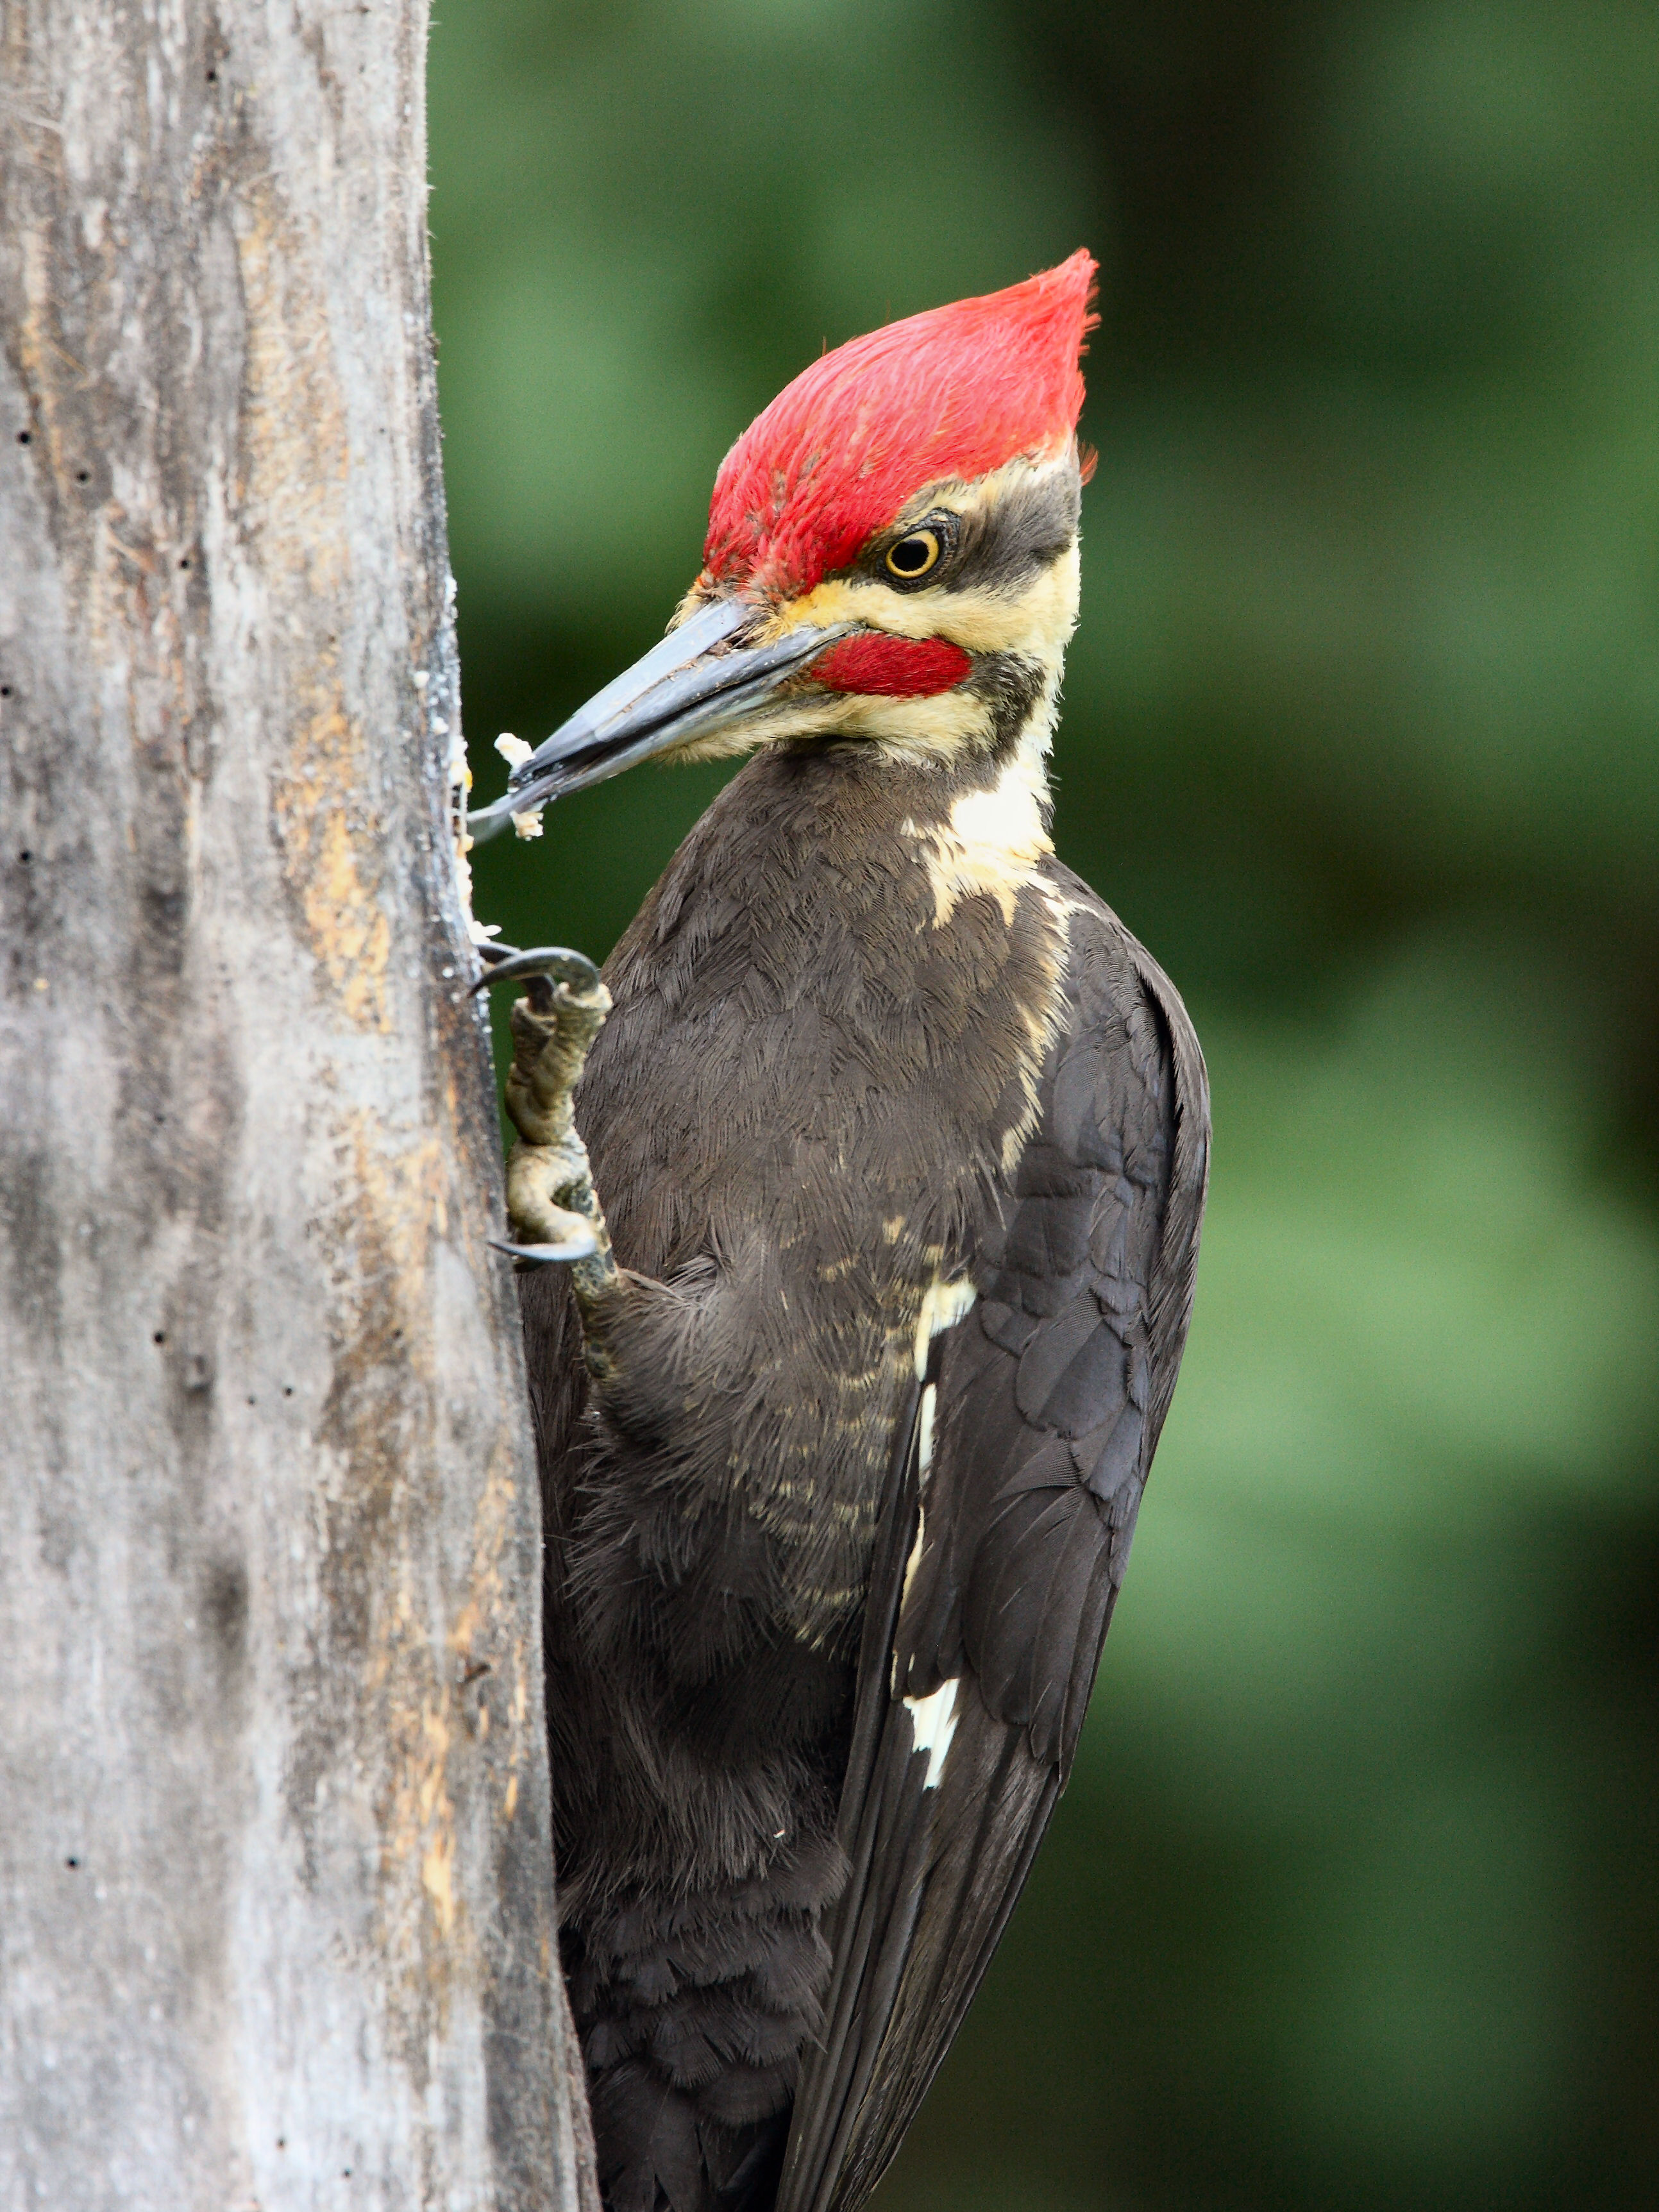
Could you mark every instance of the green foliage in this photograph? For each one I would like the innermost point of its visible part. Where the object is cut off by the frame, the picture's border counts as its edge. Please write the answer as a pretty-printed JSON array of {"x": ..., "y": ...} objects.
[{"x": 1349, "y": 1904}]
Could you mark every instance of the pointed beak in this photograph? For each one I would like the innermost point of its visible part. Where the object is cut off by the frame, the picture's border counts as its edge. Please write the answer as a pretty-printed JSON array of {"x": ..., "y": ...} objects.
[{"x": 699, "y": 679}]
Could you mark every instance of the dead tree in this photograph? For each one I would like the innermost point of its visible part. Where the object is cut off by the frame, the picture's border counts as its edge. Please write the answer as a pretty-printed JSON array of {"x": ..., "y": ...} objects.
[{"x": 276, "y": 1926}]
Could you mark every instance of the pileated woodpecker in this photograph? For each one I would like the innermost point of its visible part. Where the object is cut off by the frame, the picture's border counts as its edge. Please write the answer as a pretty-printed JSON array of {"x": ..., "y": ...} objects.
[{"x": 901, "y": 1140}]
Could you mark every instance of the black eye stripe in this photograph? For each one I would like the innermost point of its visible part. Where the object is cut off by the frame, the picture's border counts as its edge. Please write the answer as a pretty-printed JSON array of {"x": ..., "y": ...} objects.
[
  {"x": 999, "y": 548},
  {"x": 1002, "y": 547}
]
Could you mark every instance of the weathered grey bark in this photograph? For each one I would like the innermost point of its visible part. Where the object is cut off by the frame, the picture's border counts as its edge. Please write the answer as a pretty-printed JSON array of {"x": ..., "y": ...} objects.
[{"x": 276, "y": 1922}]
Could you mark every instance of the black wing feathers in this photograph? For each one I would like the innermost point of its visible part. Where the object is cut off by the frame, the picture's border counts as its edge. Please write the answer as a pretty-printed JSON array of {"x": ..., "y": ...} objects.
[
  {"x": 1050, "y": 1398},
  {"x": 1047, "y": 1423}
]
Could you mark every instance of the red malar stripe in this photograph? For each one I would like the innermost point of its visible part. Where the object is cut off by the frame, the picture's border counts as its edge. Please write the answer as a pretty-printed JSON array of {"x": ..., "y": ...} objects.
[{"x": 895, "y": 667}]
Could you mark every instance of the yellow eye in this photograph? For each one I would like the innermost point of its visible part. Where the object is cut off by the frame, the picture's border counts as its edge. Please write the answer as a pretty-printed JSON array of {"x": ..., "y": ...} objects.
[{"x": 914, "y": 555}]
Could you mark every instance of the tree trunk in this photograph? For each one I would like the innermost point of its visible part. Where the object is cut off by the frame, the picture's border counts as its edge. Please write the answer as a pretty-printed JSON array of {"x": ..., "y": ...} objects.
[{"x": 278, "y": 1919}]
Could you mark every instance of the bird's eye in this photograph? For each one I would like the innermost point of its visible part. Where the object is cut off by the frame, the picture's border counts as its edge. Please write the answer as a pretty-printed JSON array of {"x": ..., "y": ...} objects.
[{"x": 914, "y": 554}]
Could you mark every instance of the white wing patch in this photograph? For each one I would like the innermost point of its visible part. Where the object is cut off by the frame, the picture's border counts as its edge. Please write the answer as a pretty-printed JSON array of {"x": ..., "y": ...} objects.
[
  {"x": 925, "y": 1455},
  {"x": 932, "y": 1724},
  {"x": 932, "y": 1719},
  {"x": 943, "y": 1306}
]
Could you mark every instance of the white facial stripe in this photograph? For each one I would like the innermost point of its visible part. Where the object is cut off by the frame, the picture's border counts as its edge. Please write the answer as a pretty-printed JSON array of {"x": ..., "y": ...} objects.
[
  {"x": 918, "y": 731},
  {"x": 943, "y": 1306},
  {"x": 1036, "y": 621},
  {"x": 932, "y": 1724},
  {"x": 994, "y": 842}
]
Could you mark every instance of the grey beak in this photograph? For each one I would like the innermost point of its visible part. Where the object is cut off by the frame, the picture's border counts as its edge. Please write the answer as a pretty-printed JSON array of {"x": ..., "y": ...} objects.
[{"x": 698, "y": 679}]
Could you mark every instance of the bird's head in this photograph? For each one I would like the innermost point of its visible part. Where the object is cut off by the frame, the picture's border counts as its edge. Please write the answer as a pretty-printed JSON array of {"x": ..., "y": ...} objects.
[{"x": 891, "y": 557}]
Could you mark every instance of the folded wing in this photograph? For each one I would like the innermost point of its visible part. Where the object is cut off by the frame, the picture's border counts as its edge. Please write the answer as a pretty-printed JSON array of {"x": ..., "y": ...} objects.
[{"x": 1019, "y": 1470}]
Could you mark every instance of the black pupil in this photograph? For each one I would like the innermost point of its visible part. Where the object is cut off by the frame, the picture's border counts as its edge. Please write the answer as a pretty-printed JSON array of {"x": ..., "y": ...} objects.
[{"x": 911, "y": 555}]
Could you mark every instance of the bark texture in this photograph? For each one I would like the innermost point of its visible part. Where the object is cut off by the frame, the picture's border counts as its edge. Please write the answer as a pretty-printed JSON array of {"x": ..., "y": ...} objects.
[{"x": 276, "y": 1926}]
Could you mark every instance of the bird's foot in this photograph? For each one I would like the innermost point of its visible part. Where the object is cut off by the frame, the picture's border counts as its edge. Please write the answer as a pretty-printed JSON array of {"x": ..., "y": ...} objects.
[{"x": 552, "y": 1208}]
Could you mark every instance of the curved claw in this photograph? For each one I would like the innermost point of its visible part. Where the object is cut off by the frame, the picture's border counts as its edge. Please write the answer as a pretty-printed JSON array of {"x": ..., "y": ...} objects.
[
  {"x": 582, "y": 1247},
  {"x": 573, "y": 968}
]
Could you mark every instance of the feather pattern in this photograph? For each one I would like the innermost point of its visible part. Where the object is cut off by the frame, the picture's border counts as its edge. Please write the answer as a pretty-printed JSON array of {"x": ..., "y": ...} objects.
[
  {"x": 952, "y": 393},
  {"x": 1051, "y": 1395},
  {"x": 811, "y": 1700}
]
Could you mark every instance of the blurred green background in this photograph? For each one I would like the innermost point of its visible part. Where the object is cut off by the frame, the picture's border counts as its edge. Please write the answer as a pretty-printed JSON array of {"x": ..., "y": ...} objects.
[{"x": 1351, "y": 1903}]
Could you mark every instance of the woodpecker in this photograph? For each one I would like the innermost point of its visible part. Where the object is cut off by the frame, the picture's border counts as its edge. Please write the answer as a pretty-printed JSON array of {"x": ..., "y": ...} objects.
[{"x": 879, "y": 1237}]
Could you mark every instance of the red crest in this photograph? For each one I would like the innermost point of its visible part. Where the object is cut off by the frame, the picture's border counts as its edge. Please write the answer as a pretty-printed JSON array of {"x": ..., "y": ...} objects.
[{"x": 954, "y": 392}]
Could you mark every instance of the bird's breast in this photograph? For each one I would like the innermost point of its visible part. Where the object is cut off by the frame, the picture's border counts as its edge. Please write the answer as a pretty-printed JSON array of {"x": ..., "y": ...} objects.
[{"x": 832, "y": 1020}]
